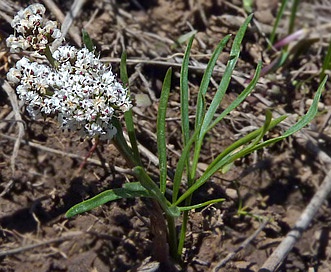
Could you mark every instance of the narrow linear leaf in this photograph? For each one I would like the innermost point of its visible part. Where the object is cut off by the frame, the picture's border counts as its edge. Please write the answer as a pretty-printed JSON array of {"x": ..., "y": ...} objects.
[
  {"x": 123, "y": 70},
  {"x": 309, "y": 116},
  {"x": 201, "y": 205},
  {"x": 121, "y": 144},
  {"x": 186, "y": 36},
  {"x": 265, "y": 128},
  {"x": 326, "y": 62},
  {"x": 234, "y": 55},
  {"x": 218, "y": 163},
  {"x": 161, "y": 128},
  {"x": 206, "y": 79},
  {"x": 230, "y": 154},
  {"x": 294, "y": 10},
  {"x": 201, "y": 104},
  {"x": 184, "y": 93},
  {"x": 263, "y": 131}
]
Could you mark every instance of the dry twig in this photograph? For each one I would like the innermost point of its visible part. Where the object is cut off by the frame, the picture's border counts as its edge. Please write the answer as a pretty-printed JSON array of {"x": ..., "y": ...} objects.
[
  {"x": 68, "y": 20},
  {"x": 71, "y": 15},
  {"x": 14, "y": 103},
  {"x": 231, "y": 255}
]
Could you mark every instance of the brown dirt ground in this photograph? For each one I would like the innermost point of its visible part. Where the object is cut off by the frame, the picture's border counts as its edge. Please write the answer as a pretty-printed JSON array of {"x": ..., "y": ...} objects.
[{"x": 276, "y": 182}]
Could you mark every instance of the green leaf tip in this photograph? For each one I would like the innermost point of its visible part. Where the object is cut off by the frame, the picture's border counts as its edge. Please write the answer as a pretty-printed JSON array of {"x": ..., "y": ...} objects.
[{"x": 87, "y": 41}]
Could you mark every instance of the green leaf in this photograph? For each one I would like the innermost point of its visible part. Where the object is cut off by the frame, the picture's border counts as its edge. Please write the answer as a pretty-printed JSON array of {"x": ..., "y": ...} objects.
[
  {"x": 200, "y": 112},
  {"x": 309, "y": 116},
  {"x": 184, "y": 93},
  {"x": 227, "y": 156},
  {"x": 218, "y": 163},
  {"x": 121, "y": 144},
  {"x": 265, "y": 128},
  {"x": 234, "y": 55},
  {"x": 129, "y": 190},
  {"x": 243, "y": 141},
  {"x": 87, "y": 41},
  {"x": 262, "y": 131},
  {"x": 247, "y": 4},
  {"x": 123, "y": 70},
  {"x": 201, "y": 205},
  {"x": 224, "y": 169},
  {"x": 203, "y": 119},
  {"x": 201, "y": 105},
  {"x": 239, "y": 99},
  {"x": 161, "y": 128}
]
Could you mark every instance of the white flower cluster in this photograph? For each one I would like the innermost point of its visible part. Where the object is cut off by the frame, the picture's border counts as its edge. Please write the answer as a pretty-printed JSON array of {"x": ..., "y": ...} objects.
[
  {"x": 34, "y": 32},
  {"x": 81, "y": 91}
]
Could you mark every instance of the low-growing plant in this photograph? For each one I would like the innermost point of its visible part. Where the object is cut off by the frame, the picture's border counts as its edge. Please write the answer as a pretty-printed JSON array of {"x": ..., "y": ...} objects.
[{"x": 91, "y": 101}]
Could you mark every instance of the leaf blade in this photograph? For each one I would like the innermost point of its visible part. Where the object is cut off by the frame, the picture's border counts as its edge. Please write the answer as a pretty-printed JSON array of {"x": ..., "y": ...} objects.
[
  {"x": 161, "y": 130},
  {"x": 129, "y": 190}
]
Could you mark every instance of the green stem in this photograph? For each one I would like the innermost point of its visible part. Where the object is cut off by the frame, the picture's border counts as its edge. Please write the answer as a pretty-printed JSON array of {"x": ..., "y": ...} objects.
[
  {"x": 122, "y": 146},
  {"x": 182, "y": 234},
  {"x": 145, "y": 180},
  {"x": 172, "y": 239},
  {"x": 183, "y": 229},
  {"x": 50, "y": 58}
]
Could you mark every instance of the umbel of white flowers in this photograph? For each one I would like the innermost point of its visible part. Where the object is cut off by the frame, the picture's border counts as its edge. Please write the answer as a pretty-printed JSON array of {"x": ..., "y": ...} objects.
[
  {"x": 81, "y": 91},
  {"x": 32, "y": 31}
]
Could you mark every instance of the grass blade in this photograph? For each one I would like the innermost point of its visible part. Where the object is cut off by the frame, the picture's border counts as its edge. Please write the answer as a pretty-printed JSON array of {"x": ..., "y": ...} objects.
[
  {"x": 294, "y": 10},
  {"x": 218, "y": 163},
  {"x": 326, "y": 61}
]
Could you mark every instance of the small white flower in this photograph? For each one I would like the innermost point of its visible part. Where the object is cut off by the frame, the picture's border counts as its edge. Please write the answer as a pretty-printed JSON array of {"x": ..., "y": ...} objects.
[
  {"x": 17, "y": 44},
  {"x": 37, "y": 9},
  {"x": 65, "y": 53},
  {"x": 33, "y": 30},
  {"x": 56, "y": 34},
  {"x": 14, "y": 75}
]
